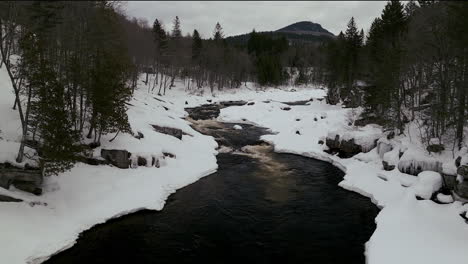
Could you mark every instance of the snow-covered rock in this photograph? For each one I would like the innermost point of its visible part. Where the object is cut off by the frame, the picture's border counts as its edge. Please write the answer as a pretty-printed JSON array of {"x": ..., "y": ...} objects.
[
  {"x": 444, "y": 198},
  {"x": 237, "y": 127},
  {"x": 428, "y": 183}
]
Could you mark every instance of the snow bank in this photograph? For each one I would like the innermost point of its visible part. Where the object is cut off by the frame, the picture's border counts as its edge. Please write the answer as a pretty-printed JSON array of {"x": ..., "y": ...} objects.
[
  {"x": 409, "y": 231},
  {"x": 87, "y": 195},
  {"x": 428, "y": 183}
]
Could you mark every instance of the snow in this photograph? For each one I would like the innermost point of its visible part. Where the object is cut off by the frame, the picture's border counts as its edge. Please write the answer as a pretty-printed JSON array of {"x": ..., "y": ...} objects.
[
  {"x": 237, "y": 127},
  {"x": 443, "y": 198},
  {"x": 408, "y": 230},
  {"x": 428, "y": 183}
]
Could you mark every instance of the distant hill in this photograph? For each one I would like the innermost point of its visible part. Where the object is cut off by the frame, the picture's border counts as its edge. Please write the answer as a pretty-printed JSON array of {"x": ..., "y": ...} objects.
[
  {"x": 306, "y": 28},
  {"x": 300, "y": 32}
]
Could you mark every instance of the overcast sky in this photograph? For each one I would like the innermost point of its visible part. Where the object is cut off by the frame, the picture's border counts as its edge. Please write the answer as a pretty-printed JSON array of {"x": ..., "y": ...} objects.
[{"x": 242, "y": 16}]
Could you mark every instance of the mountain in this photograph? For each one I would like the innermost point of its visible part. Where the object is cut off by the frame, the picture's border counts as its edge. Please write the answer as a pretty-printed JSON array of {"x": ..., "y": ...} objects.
[
  {"x": 300, "y": 32},
  {"x": 306, "y": 28}
]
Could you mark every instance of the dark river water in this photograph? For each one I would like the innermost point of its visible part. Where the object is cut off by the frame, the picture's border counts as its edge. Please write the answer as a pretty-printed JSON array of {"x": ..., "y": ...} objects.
[{"x": 259, "y": 207}]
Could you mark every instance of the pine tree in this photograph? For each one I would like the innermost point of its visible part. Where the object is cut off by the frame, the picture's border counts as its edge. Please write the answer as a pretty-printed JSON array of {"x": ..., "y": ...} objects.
[
  {"x": 176, "y": 32},
  {"x": 196, "y": 45},
  {"x": 218, "y": 33}
]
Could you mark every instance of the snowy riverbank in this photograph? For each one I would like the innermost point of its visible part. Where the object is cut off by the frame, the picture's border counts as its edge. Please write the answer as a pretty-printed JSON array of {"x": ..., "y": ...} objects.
[
  {"x": 87, "y": 195},
  {"x": 408, "y": 230}
]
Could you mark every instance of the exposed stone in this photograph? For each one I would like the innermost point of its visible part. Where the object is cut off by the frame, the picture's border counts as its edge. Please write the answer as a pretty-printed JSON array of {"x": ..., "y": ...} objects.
[
  {"x": 141, "y": 161},
  {"x": 175, "y": 132},
  {"x": 207, "y": 111},
  {"x": 232, "y": 103},
  {"x": 186, "y": 102},
  {"x": 27, "y": 187},
  {"x": 349, "y": 147},
  {"x": 315, "y": 119},
  {"x": 94, "y": 145},
  {"x": 5, "y": 198},
  {"x": 333, "y": 144},
  {"x": 414, "y": 167},
  {"x": 461, "y": 189},
  {"x": 292, "y": 90},
  {"x": 436, "y": 148},
  {"x": 139, "y": 135},
  {"x": 116, "y": 157},
  {"x": 345, "y": 148},
  {"x": 298, "y": 119},
  {"x": 93, "y": 161},
  {"x": 463, "y": 171},
  {"x": 387, "y": 166},
  {"x": 458, "y": 161},
  {"x": 449, "y": 181},
  {"x": 27, "y": 179},
  {"x": 165, "y": 108},
  {"x": 297, "y": 132},
  {"x": 320, "y": 142},
  {"x": 167, "y": 154},
  {"x": 391, "y": 135},
  {"x": 287, "y": 108},
  {"x": 209, "y": 100},
  {"x": 250, "y": 103}
]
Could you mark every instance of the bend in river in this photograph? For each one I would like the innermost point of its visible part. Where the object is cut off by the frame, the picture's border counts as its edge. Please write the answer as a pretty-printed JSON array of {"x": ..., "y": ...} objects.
[{"x": 259, "y": 206}]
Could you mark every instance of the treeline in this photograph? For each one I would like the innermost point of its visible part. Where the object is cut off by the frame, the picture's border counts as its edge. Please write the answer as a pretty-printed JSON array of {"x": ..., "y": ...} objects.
[
  {"x": 414, "y": 65},
  {"x": 217, "y": 63},
  {"x": 69, "y": 65}
]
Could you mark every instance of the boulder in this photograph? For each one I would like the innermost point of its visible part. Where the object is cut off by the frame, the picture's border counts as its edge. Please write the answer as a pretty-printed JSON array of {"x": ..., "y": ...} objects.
[
  {"x": 250, "y": 103},
  {"x": 139, "y": 135},
  {"x": 141, "y": 161},
  {"x": 345, "y": 148},
  {"x": 232, "y": 103},
  {"x": 286, "y": 108},
  {"x": 387, "y": 166},
  {"x": 458, "y": 161},
  {"x": 333, "y": 144},
  {"x": 5, "y": 198},
  {"x": 117, "y": 157},
  {"x": 349, "y": 147},
  {"x": 175, "y": 132},
  {"x": 463, "y": 171},
  {"x": 436, "y": 148},
  {"x": 27, "y": 179},
  {"x": 167, "y": 154}
]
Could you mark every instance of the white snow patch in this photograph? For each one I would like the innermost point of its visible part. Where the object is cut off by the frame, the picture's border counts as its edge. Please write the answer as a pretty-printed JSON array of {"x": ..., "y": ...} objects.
[{"x": 444, "y": 198}]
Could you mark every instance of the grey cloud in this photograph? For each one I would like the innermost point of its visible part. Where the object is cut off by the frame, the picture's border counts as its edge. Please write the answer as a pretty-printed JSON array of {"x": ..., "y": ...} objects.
[{"x": 241, "y": 17}]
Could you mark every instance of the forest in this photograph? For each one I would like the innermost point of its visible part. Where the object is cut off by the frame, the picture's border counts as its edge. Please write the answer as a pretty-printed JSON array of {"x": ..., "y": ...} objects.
[{"x": 75, "y": 65}]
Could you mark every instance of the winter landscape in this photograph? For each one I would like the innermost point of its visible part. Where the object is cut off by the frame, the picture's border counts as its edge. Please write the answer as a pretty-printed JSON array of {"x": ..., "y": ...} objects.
[{"x": 124, "y": 140}]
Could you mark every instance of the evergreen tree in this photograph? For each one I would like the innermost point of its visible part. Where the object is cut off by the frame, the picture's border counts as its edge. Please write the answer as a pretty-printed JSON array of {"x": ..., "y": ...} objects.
[
  {"x": 218, "y": 33},
  {"x": 196, "y": 45},
  {"x": 176, "y": 32}
]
